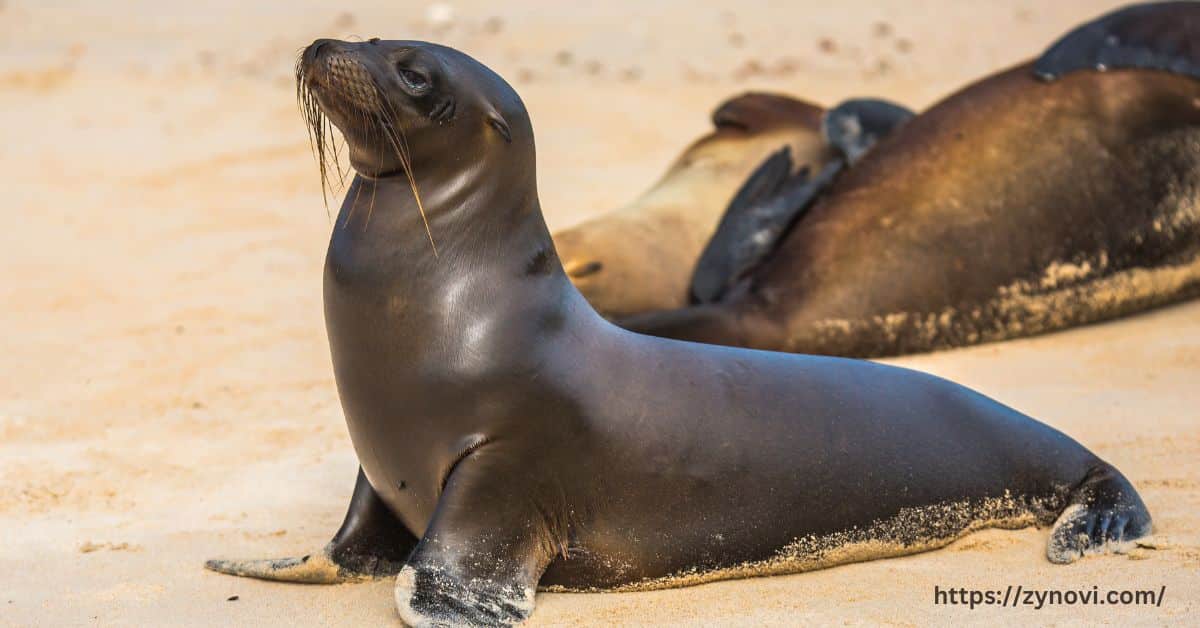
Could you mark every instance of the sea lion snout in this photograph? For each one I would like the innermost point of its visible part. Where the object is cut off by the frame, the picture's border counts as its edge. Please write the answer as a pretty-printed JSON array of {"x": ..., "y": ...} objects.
[
  {"x": 342, "y": 74},
  {"x": 374, "y": 92}
]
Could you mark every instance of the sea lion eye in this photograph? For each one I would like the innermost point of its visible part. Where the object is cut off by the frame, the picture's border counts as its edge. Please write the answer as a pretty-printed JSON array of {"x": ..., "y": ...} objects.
[{"x": 414, "y": 80}]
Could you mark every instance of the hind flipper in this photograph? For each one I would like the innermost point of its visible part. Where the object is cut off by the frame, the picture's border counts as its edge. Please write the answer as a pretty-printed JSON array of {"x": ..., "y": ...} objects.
[
  {"x": 760, "y": 213},
  {"x": 1105, "y": 514},
  {"x": 371, "y": 543},
  {"x": 854, "y": 126},
  {"x": 1159, "y": 36}
]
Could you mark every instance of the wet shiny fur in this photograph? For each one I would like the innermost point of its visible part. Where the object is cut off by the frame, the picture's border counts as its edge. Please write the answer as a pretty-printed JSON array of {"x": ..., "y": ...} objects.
[{"x": 511, "y": 438}]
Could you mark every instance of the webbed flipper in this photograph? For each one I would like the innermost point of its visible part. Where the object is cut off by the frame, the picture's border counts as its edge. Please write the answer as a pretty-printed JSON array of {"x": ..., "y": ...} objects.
[
  {"x": 760, "y": 212},
  {"x": 483, "y": 553},
  {"x": 1155, "y": 36},
  {"x": 371, "y": 543},
  {"x": 774, "y": 198},
  {"x": 1105, "y": 514}
]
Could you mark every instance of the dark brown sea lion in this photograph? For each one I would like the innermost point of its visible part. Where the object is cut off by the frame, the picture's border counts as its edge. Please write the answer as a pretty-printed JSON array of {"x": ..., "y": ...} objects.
[
  {"x": 510, "y": 437},
  {"x": 640, "y": 258},
  {"x": 1054, "y": 194}
]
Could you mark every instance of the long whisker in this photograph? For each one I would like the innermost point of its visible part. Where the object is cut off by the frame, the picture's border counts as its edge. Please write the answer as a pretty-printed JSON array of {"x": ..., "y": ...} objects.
[
  {"x": 384, "y": 123},
  {"x": 393, "y": 124},
  {"x": 362, "y": 116},
  {"x": 374, "y": 186}
]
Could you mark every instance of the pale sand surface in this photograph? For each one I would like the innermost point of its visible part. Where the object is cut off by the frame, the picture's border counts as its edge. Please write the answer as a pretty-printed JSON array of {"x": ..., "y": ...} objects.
[{"x": 165, "y": 388}]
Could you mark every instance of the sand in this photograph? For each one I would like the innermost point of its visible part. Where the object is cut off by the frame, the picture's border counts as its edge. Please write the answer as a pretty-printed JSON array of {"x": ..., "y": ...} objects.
[{"x": 165, "y": 389}]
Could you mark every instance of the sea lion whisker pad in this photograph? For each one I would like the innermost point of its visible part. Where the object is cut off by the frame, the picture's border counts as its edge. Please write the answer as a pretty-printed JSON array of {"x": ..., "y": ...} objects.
[{"x": 510, "y": 438}]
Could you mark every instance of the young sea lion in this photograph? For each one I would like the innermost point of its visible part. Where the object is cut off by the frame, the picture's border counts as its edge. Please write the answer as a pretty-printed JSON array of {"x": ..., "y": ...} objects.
[
  {"x": 510, "y": 437},
  {"x": 1054, "y": 194},
  {"x": 639, "y": 258}
]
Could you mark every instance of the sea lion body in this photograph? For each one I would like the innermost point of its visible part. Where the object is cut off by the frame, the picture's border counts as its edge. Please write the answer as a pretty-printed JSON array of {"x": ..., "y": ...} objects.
[
  {"x": 639, "y": 258},
  {"x": 509, "y": 436},
  {"x": 612, "y": 439},
  {"x": 1014, "y": 207}
]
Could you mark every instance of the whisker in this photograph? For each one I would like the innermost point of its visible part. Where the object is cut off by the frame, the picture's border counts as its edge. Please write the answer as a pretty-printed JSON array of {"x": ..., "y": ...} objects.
[
  {"x": 362, "y": 116},
  {"x": 405, "y": 160},
  {"x": 374, "y": 186},
  {"x": 384, "y": 123}
]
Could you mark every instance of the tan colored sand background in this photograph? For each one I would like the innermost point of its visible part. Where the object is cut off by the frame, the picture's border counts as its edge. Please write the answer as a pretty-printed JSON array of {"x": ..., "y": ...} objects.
[{"x": 165, "y": 389}]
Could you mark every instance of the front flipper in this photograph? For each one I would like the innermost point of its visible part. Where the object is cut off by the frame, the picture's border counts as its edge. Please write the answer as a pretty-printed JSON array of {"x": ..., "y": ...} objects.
[
  {"x": 854, "y": 126},
  {"x": 774, "y": 198},
  {"x": 1157, "y": 36},
  {"x": 371, "y": 543},
  {"x": 489, "y": 542},
  {"x": 760, "y": 213}
]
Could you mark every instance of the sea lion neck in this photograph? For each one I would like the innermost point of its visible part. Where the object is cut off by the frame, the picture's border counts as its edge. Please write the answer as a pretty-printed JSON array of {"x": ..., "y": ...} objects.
[
  {"x": 495, "y": 268},
  {"x": 461, "y": 218}
]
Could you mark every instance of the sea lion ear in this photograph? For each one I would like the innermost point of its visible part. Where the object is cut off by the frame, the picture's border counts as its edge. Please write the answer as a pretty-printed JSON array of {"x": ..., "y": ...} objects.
[{"x": 500, "y": 124}]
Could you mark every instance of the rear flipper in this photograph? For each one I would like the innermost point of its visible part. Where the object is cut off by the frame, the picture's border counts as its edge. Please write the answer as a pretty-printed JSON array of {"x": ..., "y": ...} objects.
[
  {"x": 371, "y": 543},
  {"x": 1105, "y": 514},
  {"x": 1156, "y": 36}
]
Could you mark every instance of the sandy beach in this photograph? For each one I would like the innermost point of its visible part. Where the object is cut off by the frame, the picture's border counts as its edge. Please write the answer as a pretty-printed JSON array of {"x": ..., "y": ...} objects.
[{"x": 166, "y": 393}]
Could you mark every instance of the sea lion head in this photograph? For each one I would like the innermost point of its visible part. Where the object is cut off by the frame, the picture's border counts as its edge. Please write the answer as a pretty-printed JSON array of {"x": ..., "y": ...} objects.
[{"x": 399, "y": 103}]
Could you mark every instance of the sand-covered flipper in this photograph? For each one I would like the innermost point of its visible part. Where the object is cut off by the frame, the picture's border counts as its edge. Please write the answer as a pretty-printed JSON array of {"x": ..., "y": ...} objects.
[
  {"x": 371, "y": 544},
  {"x": 1104, "y": 514}
]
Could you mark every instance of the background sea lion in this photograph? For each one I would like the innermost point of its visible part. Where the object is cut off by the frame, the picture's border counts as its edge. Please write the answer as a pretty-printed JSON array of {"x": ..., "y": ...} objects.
[
  {"x": 1013, "y": 207},
  {"x": 509, "y": 436},
  {"x": 639, "y": 258}
]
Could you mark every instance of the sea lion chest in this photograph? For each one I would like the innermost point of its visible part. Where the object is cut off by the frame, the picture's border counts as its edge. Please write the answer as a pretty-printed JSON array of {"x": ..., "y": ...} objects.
[{"x": 403, "y": 410}]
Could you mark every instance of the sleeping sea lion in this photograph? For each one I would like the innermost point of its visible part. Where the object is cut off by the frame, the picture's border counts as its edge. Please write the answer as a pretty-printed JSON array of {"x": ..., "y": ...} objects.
[{"x": 1058, "y": 193}]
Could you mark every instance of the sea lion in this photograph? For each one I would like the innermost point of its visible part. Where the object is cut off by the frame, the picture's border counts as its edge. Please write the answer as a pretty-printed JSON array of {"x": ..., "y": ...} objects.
[
  {"x": 510, "y": 437},
  {"x": 1057, "y": 193},
  {"x": 639, "y": 258}
]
